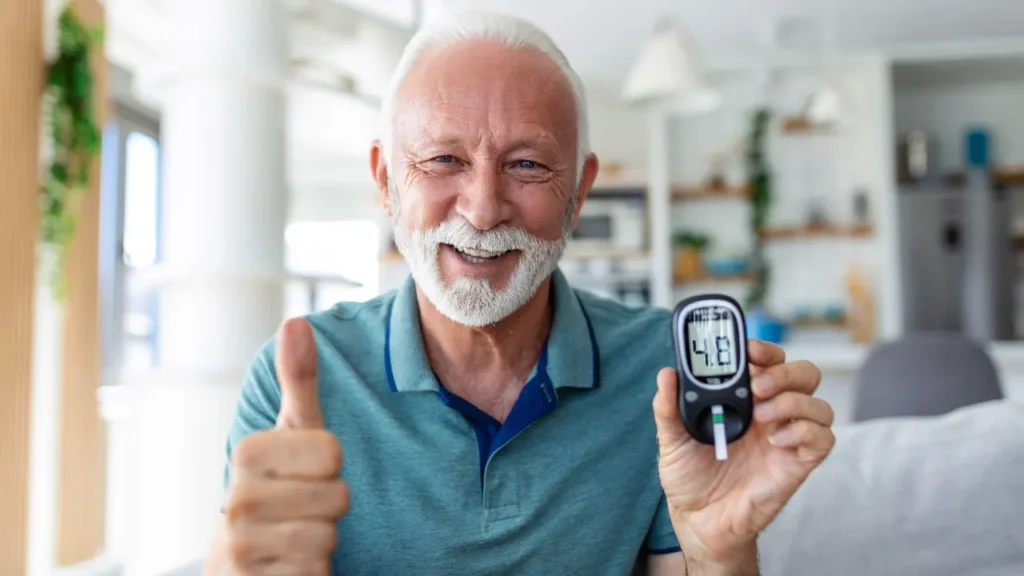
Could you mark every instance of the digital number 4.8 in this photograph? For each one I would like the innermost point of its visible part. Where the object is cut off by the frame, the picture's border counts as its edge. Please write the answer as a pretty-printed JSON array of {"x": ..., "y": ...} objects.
[{"x": 723, "y": 351}]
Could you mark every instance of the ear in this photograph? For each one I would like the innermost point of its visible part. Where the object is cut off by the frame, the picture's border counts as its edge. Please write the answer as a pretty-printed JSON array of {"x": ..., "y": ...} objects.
[
  {"x": 379, "y": 170},
  {"x": 587, "y": 178}
]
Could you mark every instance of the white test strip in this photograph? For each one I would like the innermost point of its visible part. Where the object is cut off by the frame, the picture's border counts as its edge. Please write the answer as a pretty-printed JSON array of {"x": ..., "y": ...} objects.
[{"x": 718, "y": 428}]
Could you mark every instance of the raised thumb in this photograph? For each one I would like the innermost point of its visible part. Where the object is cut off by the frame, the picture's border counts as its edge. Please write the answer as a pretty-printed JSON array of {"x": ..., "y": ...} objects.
[
  {"x": 296, "y": 361},
  {"x": 671, "y": 431}
]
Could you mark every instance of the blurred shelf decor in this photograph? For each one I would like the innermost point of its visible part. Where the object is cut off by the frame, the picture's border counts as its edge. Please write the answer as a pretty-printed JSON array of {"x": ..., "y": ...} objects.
[
  {"x": 816, "y": 231},
  {"x": 710, "y": 191}
]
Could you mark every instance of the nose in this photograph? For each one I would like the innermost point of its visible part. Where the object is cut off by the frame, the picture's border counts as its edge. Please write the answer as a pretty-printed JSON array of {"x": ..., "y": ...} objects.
[{"x": 483, "y": 203}]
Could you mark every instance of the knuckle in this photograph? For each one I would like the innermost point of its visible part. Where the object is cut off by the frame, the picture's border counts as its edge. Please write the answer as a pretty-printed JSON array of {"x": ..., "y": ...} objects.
[
  {"x": 245, "y": 501},
  {"x": 804, "y": 429},
  {"x": 239, "y": 547},
  {"x": 328, "y": 451},
  {"x": 338, "y": 498},
  {"x": 812, "y": 370},
  {"x": 789, "y": 403},
  {"x": 326, "y": 536},
  {"x": 830, "y": 440},
  {"x": 251, "y": 451},
  {"x": 320, "y": 568}
]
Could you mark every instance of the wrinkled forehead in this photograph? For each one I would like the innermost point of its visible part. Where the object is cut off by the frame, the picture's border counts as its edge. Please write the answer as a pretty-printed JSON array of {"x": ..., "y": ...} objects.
[{"x": 485, "y": 92}]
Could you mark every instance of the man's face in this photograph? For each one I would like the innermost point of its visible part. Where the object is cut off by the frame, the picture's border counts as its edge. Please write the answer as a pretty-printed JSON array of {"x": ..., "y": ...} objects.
[{"x": 483, "y": 182}]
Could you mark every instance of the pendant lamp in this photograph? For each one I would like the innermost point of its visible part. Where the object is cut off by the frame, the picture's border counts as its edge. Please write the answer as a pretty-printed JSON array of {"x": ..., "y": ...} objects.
[{"x": 667, "y": 74}]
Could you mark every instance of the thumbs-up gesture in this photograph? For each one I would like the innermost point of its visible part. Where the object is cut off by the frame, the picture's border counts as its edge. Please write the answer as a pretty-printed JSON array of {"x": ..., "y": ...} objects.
[{"x": 286, "y": 494}]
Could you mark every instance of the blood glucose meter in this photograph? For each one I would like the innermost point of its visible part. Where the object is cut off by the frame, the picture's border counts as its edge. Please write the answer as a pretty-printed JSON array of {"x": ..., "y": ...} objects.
[{"x": 710, "y": 340}]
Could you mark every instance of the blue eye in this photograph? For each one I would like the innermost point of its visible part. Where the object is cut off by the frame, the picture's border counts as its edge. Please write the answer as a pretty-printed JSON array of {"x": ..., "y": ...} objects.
[
  {"x": 528, "y": 164},
  {"x": 446, "y": 159}
]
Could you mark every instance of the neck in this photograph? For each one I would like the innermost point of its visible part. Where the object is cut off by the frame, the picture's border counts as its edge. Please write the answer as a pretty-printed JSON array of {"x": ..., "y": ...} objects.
[{"x": 487, "y": 365}]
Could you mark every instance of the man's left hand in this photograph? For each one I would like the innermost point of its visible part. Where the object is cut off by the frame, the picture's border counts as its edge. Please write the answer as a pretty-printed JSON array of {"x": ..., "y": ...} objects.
[{"x": 718, "y": 508}]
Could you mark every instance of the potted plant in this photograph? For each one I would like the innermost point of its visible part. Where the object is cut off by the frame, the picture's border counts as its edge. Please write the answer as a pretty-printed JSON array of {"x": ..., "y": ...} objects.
[{"x": 689, "y": 255}]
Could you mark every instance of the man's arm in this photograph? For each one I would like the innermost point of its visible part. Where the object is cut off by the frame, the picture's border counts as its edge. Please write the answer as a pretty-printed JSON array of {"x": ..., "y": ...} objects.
[{"x": 675, "y": 564}]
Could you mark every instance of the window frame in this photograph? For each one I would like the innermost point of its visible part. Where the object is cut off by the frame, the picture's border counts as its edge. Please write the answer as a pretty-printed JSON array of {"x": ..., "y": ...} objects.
[{"x": 124, "y": 120}]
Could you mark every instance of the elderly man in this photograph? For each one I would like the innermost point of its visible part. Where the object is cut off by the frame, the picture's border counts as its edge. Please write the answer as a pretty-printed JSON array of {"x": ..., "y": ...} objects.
[{"x": 495, "y": 420}]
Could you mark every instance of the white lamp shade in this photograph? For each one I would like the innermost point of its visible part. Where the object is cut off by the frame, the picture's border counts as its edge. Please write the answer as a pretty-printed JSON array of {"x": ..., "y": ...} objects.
[{"x": 668, "y": 75}]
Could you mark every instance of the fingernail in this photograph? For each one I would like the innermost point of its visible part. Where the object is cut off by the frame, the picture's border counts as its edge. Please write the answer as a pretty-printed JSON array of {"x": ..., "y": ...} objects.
[
  {"x": 763, "y": 411},
  {"x": 782, "y": 436},
  {"x": 762, "y": 384}
]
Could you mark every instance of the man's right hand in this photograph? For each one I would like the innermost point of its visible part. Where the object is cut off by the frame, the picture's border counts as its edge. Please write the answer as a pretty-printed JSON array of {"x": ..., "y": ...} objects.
[{"x": 286, "y": 495}]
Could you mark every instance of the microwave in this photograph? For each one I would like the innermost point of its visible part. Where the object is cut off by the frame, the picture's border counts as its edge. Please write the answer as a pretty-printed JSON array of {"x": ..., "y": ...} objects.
[{"x": 610, "y": 224}]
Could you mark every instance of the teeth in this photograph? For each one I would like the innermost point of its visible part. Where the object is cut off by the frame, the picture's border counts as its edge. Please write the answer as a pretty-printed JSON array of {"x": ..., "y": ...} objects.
[{"x": 479, "y": 253}]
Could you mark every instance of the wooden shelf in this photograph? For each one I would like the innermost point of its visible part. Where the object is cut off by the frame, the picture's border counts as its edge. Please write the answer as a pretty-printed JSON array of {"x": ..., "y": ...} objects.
[
  {"x": 702, "y": 191},
  {"x": 708, "y": 278},
  {"x": 826, "y": 231},
  {"x": 815, "y": 322},
  {"x": 803, "y": 125},
  {"x": 1000, "y": 177}
]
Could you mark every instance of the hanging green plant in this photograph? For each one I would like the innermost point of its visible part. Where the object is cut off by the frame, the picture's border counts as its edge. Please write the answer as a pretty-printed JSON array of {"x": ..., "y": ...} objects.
[
  {"x": 760, "y": 204},
  {"x": 72, "y": 124}
]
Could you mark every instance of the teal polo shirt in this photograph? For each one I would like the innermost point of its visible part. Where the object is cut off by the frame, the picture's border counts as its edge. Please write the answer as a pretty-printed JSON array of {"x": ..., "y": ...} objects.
[{"x": 568, "y": 484}]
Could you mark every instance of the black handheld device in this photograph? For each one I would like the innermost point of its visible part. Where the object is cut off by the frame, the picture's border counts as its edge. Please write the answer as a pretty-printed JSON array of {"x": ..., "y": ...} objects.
[{"x": 715, "y": 400}]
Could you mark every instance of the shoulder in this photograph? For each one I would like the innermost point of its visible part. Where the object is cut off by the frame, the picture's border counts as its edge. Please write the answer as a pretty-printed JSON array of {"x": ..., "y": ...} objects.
[
  {"x": 633, "y": 342},
  {"x": 353, "y": 318},
  {"x": 347, "y": 329},
  {"x": 613, "y": 320}
]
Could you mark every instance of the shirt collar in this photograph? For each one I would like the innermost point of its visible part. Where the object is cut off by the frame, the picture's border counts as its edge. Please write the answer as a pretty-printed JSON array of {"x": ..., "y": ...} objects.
[{"x": 573, "y": 359}]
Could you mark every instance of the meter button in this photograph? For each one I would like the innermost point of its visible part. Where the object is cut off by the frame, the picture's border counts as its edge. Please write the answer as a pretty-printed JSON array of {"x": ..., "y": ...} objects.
[
  {"x": 690, "y": 396},
  {"x": 741, "y": 392}
]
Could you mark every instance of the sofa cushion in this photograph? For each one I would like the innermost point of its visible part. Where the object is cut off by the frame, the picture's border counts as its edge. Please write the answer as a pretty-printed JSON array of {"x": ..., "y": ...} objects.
[{"x": 941, "y": 495}]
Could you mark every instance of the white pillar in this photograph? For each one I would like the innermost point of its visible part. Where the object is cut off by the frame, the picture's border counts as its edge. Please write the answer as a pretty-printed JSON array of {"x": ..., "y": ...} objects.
[
  {"x": 659, "y": 206},
  {"x": 223, "y": 207}
]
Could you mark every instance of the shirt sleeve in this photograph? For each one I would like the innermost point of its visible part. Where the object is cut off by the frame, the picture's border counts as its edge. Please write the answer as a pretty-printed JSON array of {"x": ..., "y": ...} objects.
[
  {"x": 258, "y": 404},
  {"x": 661, "y": 539}
]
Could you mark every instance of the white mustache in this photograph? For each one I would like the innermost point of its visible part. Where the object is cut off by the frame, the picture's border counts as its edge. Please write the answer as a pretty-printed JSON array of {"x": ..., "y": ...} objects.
[{"x": 458, "y": 232}]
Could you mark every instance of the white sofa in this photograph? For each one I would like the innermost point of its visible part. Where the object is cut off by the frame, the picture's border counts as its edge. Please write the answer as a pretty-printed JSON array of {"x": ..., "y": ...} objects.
[{"x": 937, "y": 496}]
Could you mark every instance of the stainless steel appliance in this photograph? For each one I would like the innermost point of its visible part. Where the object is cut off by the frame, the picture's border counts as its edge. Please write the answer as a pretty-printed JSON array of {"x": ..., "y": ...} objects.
[
  {"x": 942, "y": 242},
  {"x": 610, "y": 225}
]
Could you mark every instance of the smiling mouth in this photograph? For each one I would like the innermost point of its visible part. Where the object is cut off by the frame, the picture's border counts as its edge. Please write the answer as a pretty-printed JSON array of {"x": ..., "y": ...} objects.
[{"x": 476, "y": 256}]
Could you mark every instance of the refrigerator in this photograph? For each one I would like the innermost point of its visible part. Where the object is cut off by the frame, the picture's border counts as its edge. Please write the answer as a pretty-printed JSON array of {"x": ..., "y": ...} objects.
[{"x": 956, "y": 260}]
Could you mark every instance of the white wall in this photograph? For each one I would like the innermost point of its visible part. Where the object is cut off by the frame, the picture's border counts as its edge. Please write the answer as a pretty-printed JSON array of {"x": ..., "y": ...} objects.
[
  {"x": 807, "y": 168},
  {"x": 945, "y": 99}
]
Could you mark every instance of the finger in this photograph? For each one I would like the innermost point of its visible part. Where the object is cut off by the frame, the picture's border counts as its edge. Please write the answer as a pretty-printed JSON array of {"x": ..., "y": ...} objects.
[
  {"x": 800, "y": 376},
  {"x": 812, "y": 441},
  {"x": 296, "y": 361},
  {"x": 666, "y": 410},
  {"x": 294, "y": 454},
  {"x": 765, "y": 354},
  {"x": 281, "y": 500},
  {"x": 255, "y": 544},
  {"x": 794, "y": 406}
]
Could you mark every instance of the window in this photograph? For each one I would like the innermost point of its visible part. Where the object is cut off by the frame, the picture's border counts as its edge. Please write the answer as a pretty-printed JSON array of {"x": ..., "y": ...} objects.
[
  {"x": 140, "y": 248},
  {"x": 141, "y": 217},
  {"x": 330, "y": 262}
]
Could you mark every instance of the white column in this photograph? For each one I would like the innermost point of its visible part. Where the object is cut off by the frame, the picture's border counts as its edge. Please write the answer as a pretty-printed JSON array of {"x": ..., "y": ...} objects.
[
  {"x": 659, "y": 206},
  {"x": 224, "y": 206}
]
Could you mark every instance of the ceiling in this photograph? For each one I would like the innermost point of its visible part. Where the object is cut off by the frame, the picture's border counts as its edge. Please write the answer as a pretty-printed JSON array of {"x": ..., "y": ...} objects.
[{"x": 600, "y": 42}]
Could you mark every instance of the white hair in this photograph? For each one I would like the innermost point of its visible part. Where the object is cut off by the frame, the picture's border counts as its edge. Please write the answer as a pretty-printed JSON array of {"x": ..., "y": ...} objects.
[{"x": 509, "y": 30}]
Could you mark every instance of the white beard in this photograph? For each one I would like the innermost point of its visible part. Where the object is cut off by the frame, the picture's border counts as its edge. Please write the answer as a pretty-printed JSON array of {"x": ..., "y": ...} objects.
[{"x": 473, "y": 301}]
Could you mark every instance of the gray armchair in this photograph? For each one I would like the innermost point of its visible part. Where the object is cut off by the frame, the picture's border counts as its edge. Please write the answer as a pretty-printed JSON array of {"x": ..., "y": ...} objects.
[{"x": 925, "y": 374}]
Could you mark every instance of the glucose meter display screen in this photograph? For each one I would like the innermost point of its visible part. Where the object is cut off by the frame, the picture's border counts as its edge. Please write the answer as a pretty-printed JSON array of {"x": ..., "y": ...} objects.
[{"x": 711, "y": 342}]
